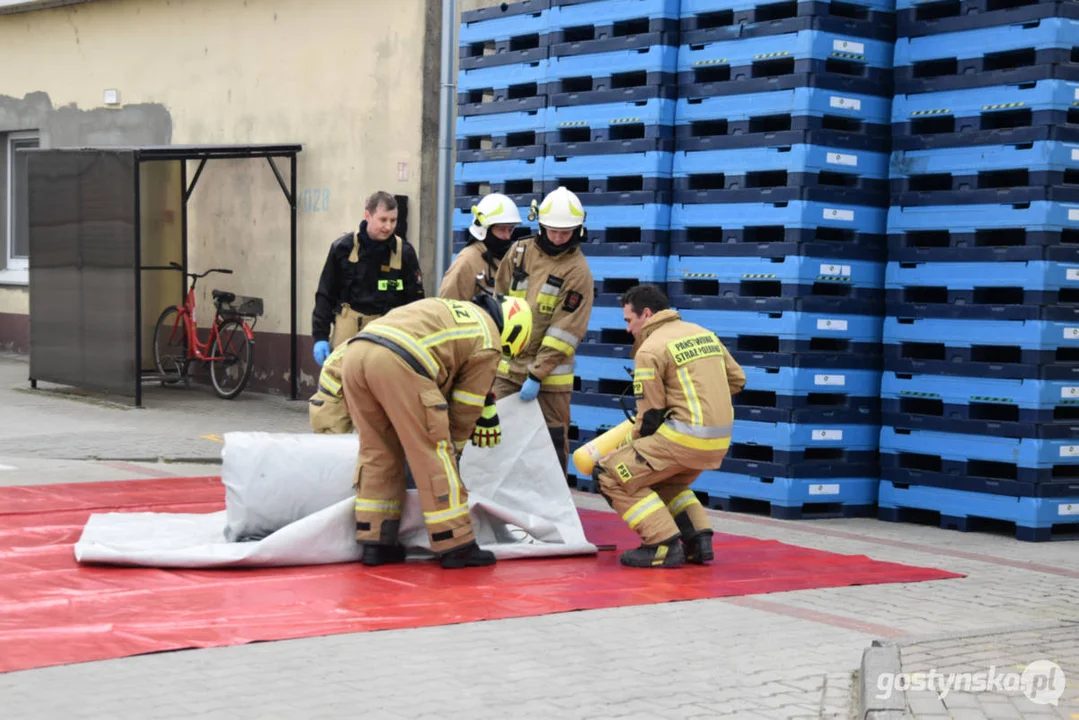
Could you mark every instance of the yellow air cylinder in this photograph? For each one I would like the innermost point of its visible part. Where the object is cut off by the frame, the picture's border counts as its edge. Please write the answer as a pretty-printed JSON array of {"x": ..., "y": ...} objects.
[{"x": 586, "y": 456}]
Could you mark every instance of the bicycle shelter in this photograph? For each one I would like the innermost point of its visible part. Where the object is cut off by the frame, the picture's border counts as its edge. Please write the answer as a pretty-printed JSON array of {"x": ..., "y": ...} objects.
[{"x": 99, "y": 248}]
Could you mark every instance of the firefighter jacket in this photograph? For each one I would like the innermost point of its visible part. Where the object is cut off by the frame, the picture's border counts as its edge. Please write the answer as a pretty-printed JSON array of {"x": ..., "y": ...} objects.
[
  {"x": 372, "y": 277},
  {"x": 455, "y": 344},
  {"x": 459, "y": 283},
  {"x": 560, "y": 292},
  {"x": 685, "y": 372}
]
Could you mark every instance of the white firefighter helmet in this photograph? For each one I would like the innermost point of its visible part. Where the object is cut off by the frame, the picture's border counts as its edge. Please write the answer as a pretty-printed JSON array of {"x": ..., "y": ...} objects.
[
  {"x": 560, "y": 210},
  {"x": 494, "y": 209}
]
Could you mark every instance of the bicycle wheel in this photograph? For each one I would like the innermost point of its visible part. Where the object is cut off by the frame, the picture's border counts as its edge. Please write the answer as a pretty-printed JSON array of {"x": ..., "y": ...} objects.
[
  {"x": 230, "y": 373},
  {"x": 170, "y": 349}
]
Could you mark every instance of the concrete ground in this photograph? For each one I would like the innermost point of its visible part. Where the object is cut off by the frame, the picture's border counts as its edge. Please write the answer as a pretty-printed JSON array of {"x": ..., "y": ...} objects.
[{"x": 833, "y": 653}]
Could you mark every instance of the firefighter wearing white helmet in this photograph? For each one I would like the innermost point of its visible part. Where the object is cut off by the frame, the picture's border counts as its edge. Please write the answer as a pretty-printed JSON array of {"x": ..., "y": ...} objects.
[
  {"x": 551, "y": 272},
  {"x": 494, "y": 225}
]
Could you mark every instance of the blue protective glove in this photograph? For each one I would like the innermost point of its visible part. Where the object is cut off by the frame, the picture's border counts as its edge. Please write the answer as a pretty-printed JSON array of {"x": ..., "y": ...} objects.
[
  {"x": 530, "y": 389},
  {"x": 322, "y": 351}
]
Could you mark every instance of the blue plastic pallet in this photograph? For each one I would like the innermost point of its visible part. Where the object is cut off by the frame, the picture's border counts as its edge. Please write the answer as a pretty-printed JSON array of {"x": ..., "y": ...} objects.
[
  {"x": 462, "y": 218},
  {"x": 502, "y": 89},
  {"x": 520, "y": 180},
  {"x": 626, "y": 230},
  {"x": 981, "y": 226},
  {"x": 775, "y": 284},
  {"x": 984, "y": 291},
  {"x": 990, "y": 348},
  {"x": 595, "y": 26},
  {"x": 790, "y": 439},
  {"x": 610, "y": 77},
  {"x": 789, "y": 498},
  {"x": 1018, "y": 461},
  {"x": 972, "y": 477},
  {"x": 1018, "y": 53},
  {"x": 781, "y": 174},
  {"x": 519, "y": 33},
  {"x": 992, "y": 406},
  {"x": 803, "y": 115},
  {"x": 643, "y": 269},
  {"x": 777, "y": 230},
  {"x": 1035, "y": 519},
  {"x": 717, "y": 20},
  {"x": 933, "y": 17},
  {"x": 964, "y": 175},
  {"x": 809, "y": 58},
  {"x": 505, "y": 136},
  {"x": 610, "y": 128},
  {"x": 809, "y": 395},
  {"x": 764, "y": 461},
  {"x": 621, "y": 179},
  {"x": 1003, "y": 114}
]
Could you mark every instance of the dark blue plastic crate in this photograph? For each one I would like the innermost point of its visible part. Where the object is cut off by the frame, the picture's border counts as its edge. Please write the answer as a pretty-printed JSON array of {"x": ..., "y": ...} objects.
[
  {"x": 502, "y": 89},
  {"x": 1030, "y": 519},
  {"x": 612, "y": 77},
  {"x": 947, "y": 16},
  {"x": 595, "y": 26},
  {"x": 625, "y": 127},
  {"x": 520, "y": 180},
  {"x": 809, "y": 395},
  {"x": 809, "y": 58},
  {"x": 999, "y": 115},
  {"x": 505, "y": 136},
  {"x": 717, "y": 20},
  {"x": 626, "y": 230},
  {"x": 503, "y": 35},
  {"x": 620, "y": 179},
  {"x": 1023, "y": 53},
  {"x": 788, "y": 498},
  {"x": 803, "y": 115}
]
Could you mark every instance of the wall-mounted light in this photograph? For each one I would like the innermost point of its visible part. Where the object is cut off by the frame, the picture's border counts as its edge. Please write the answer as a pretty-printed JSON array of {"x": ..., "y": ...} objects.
[{"x": 112, "y": 97}]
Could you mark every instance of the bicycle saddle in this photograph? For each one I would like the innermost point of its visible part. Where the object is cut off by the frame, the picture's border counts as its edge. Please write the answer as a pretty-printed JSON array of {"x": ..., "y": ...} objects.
[{"x": 223, "y": 296}]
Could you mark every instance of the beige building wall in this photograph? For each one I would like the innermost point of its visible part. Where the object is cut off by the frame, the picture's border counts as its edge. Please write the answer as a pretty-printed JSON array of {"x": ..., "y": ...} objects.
[{"x": 354, "y": 81}]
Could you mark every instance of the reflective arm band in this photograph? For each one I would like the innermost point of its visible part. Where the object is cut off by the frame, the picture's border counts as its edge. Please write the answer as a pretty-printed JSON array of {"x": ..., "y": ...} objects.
[
  {"x": 466, "y": 398},
  {"x": 560, "y": 340}
]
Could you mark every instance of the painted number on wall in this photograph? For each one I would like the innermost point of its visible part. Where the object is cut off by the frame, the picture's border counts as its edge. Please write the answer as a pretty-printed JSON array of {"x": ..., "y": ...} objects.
[{"x": 313, "y": 200}]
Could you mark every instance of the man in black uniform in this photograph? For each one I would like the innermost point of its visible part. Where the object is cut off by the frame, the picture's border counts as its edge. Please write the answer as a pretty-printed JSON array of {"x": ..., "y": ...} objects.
[{"x": 366, "y": 275}]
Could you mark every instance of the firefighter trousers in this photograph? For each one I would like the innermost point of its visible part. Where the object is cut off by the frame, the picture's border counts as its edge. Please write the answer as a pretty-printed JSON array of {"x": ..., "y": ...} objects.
[
  {"x": 346, "y": 323},
  {"x": 328, "y": 414},
  {"x": 399, "y": 413},
  {"x": 647, "y": 485},
  {"x": 555, "y": 408}
]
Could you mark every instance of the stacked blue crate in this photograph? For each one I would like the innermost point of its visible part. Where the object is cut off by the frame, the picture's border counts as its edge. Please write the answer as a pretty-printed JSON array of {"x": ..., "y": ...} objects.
[
  {"x": 980, "y": 394},
  {"x": 501, "y": 106},
  {"x": 609, "y": 138},
  {"x": 778, "y": 238}
]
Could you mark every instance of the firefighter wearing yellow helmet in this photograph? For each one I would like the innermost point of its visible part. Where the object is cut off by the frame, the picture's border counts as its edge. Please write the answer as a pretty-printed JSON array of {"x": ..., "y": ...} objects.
[
  {"x": 493, "y": 229},
  {"x": 550, "y": 272},
  {"x": 418, "y": 386}
]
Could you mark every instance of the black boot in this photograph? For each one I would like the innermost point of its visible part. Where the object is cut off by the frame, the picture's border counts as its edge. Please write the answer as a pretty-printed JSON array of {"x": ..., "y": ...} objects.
[
  {"x": 696, "y": 543},
  {"x": 667, "y": 554},
  {"x": 377, "y": 554},
  {"x": 464, "y": 556}
]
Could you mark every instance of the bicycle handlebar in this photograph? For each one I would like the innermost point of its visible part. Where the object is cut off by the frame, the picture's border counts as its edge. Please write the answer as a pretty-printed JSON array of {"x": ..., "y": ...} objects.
[{"x": 178, "y": 266}]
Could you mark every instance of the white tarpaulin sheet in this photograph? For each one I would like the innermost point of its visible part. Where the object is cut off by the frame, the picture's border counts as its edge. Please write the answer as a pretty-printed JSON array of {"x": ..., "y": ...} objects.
[{"x": 289, "y": 501}]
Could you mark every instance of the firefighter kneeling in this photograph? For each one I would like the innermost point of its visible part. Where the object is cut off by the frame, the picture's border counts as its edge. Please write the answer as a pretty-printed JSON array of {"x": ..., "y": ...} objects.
[
  {"x": 683, "y": 379},
  {"x": 417, "y": 384}
]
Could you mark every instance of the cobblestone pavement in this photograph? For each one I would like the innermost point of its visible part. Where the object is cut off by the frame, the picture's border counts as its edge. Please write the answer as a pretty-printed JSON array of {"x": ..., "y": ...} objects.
[{"x": 783, "y": 655}]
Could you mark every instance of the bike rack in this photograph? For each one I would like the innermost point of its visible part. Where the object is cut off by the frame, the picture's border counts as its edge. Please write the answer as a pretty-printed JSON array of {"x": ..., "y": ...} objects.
[{"x": 86, "y": 226}]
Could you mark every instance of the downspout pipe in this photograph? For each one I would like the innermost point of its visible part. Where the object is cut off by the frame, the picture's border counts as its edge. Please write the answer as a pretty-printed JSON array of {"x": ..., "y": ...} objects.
[{"x": 447, "y": 113}]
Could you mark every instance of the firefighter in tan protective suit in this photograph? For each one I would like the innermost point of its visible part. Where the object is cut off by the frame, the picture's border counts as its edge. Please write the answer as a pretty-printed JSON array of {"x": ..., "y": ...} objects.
[
  {"x": 494, "y": 225},
  {"x": 551, "y": 273},
  {"x": 417, "y": 383},
  {"x": 683, "y": 379}
]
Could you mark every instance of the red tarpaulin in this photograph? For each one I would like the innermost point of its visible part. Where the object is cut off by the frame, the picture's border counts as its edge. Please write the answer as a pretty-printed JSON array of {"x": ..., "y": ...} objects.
[{"x": 54, "y": 611}]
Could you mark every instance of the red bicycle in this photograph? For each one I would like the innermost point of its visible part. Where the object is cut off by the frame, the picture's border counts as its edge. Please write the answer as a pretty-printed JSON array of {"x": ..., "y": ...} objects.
[{"x": 229, "y": 348}]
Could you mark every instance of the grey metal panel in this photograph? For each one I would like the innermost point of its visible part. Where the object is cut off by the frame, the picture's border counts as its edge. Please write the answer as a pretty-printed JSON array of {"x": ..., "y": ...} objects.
[{"x": 82, "y": 269}]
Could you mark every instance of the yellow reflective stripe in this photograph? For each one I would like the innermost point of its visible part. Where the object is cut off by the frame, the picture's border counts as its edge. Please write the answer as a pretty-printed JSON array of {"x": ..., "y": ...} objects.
[
  {"x": 466, "y": 398},
  {"x": 504, "y": 366},
  {"x": 452, "y": 334},
  {"x": 433, "y": 518},
  {"x": 557, "y": 380},
  {"x": 694, "y": 443},
  {"x": 643, "y": 509},
  {"x": 682, "y": 501},
  {"x": 642, "y": 374},
  {"x": 328, "y": 384},
  {"x": 388, "y": 507},
  {"x": 692, "y": 400},
  {"x": 450, "y": 466},
  {"x": 409, "y": 343},
  {"x": 459, "y": 445},
  {"x": 555, "y": 344},
  {"x": 566, "y": 337},
  {"x": 519, "y": 293}
]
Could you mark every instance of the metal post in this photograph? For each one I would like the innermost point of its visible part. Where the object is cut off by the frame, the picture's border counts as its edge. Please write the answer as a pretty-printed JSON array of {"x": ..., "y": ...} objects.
[
  {"x": 447, "y": 113},
  {"x": 294, "y": 358},
  {"x": 138, "y": 282}
]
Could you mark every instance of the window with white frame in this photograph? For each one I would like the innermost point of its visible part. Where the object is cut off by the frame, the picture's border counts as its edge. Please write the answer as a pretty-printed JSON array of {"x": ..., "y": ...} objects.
[{"x": 17, "y": 232}]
